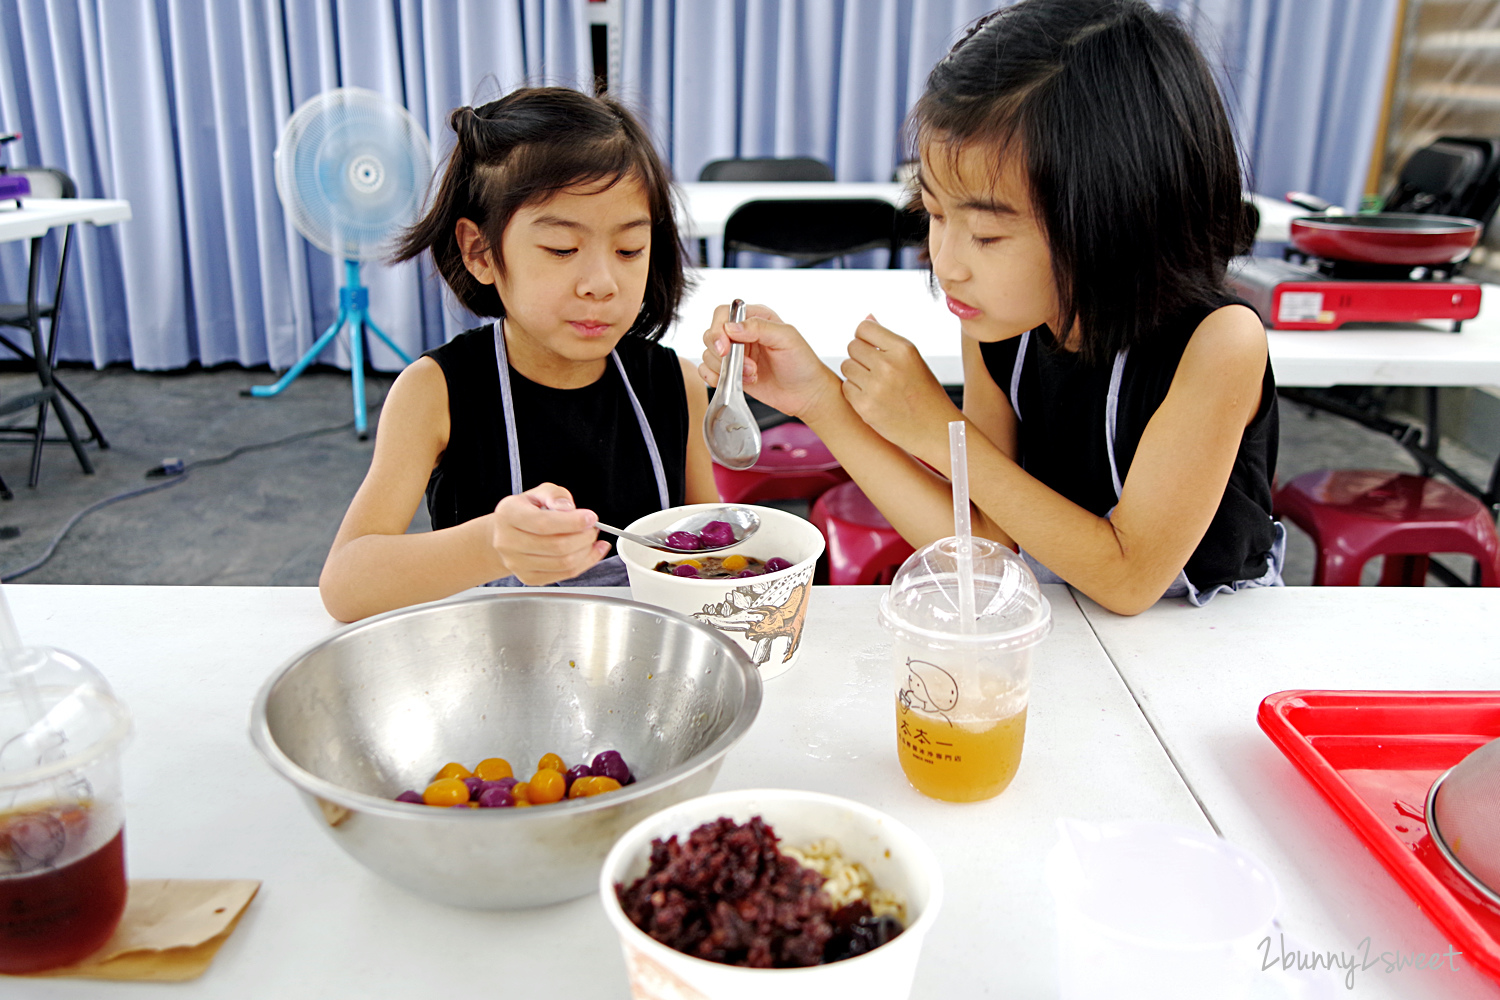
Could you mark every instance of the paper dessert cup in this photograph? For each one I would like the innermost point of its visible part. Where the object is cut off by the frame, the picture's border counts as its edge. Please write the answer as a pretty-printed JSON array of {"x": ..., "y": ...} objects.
[
  {"x": 763, "y": 614},
  {"x": 894, "y": 855}
]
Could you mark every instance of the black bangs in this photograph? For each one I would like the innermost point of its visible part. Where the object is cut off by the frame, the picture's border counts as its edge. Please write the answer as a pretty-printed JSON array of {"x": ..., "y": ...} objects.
[
  {"x": 1131, "y": 162},
  {"x": 527, "y": 147}
]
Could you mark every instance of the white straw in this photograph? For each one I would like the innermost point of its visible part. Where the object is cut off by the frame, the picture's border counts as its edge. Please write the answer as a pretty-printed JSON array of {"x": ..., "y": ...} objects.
[
  {"x": 10, "y": 636},
  {"x": 10, "y": 663},
  {"x": 959, "y": 476}
]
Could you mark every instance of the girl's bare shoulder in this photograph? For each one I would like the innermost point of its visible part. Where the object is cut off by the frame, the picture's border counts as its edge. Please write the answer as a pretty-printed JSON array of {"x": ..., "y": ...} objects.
[
  {"x": 417, "y": 402},
  {"x": 1228, "y": 334},
  {"x": 1224, "y": 365}
]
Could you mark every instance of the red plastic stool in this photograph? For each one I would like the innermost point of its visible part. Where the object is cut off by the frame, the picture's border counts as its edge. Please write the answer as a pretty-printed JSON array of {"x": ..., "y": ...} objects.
[
  {"x": 1354, "y": 515},
  {"x": 863, "y": 548},
  {"x": 794, "y": 465}
]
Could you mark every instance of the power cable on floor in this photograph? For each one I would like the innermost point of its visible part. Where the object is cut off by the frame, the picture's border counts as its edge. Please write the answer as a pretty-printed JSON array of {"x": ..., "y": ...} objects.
[{"x": 171, "y": 472}]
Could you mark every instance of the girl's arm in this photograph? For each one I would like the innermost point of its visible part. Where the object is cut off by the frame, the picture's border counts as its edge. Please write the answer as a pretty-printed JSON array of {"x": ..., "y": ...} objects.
[
  {"x": 782, "y": 371},
  {"x": 891, "y": 405},
  {"x": 1176, "y": 479},
  {"x": 701, "y": 487},
  {"x": 375, "y": 566}
]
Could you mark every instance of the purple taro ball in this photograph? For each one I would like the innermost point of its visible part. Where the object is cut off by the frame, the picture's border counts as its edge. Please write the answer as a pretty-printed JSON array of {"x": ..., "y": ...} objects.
[
  {"x": 476, "y": 785},
  {"x": 776, "y": 564},
  {"x": 410, "y": 796},
  {"x": 505, "y": 783},
  {"x": 689, "y": 571},
  {"x": 747, "y": 572},
  {"x": 684, "y": 540},
  {"x": 574, "y": 773},
  {"x": 718, "y": 534},
  {"x": 496, "y": 798},
  {"x": 610, "y": 764}
]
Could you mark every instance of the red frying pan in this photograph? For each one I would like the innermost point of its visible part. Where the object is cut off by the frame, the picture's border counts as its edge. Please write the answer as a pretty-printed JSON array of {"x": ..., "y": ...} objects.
[{"x": 1385, "y": 237}]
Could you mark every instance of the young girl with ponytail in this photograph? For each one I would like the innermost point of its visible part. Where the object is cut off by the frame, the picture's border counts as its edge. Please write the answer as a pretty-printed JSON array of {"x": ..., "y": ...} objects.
[{"x": 554, "y": 217}]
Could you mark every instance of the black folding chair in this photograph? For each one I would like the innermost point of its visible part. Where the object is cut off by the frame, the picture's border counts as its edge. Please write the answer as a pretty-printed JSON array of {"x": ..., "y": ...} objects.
[
  {"x": 761, "y": 168},
  {"x": 811, "y": 231},
  {"x": 767, "y": 168},
  {"x": 46, "y": 182}
]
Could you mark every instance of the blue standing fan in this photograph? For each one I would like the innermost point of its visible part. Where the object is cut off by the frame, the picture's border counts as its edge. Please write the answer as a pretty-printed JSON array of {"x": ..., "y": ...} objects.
[{"x": 351, "y": 169}]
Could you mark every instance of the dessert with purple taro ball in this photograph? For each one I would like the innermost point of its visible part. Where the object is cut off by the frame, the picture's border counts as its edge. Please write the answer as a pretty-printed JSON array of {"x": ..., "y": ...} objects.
[{"x": 715, "y": 568}]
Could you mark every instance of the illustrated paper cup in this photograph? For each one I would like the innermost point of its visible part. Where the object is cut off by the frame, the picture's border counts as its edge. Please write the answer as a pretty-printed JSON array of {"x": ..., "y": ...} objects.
[
  {"x": 1154, "y": 911},
  {"x": 764, "y": 614},
  {"x": 895, "y": 857}
]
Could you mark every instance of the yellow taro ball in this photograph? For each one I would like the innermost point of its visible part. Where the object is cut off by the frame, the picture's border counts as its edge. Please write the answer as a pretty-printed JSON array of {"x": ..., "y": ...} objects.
[{"x": 735, "y": 563}]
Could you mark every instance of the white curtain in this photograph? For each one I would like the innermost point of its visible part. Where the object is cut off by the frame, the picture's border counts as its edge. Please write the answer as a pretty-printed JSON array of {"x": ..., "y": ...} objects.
[{"x": 176, "y": 105}]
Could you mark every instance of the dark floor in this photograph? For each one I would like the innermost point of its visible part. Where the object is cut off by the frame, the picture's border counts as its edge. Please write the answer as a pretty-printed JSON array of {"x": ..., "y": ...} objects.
[{"x": 269, "y": 515}]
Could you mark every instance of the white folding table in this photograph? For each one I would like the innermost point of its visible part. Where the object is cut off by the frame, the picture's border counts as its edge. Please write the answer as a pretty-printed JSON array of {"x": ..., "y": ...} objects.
[
  {"x": 827, "y": 304},
  {"x": 1199, "y": 675},
  {"x": 200, "y": 803},
  {"x": 32, "y": 220}
]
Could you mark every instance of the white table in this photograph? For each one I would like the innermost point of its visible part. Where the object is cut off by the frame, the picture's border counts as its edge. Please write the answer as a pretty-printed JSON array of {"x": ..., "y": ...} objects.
[
  {"x": 38, "y": 215},
  {"x": 202, "y": 804},
  {"x": 827, "y": 304},
  {"x": 709, "y": 204},
  {"x": 1276, "y": 216},
  {"x": 1200, "y": 675},
  {"x": 32, "y": 221}
]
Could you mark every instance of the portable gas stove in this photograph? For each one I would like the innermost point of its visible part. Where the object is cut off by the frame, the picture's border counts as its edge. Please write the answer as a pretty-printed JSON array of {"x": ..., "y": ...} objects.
[{"x": 1324, "y": 295}]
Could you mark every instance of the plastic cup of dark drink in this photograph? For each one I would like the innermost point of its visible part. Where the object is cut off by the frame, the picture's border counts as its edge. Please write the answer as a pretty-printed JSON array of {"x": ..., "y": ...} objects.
[{"x": 62, "y": 851}]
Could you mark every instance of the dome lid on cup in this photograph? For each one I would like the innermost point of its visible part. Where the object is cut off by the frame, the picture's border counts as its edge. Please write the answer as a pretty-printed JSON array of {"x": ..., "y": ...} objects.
[
  {"x": 57, "y": 714},
  {"x": 1010, "y": 611}
]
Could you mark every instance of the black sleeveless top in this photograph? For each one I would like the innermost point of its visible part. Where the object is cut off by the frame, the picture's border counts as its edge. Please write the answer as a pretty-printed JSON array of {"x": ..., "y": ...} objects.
[
  {"x": 1062, "y": 407},
  {"x": 586, "y": 440}
]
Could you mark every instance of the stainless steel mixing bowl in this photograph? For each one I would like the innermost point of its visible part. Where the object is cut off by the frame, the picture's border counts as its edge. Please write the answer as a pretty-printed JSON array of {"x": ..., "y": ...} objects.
[{"x": 375, "y": 709}]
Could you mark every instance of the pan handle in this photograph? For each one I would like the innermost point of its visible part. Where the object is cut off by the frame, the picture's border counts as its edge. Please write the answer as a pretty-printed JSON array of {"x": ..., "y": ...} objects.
[{"x": 1313, "y": 203}]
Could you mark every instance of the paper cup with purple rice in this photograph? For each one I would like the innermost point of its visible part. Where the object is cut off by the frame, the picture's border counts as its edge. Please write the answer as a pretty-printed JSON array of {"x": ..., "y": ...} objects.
[
  {"x": 756, "y": 592},
  {"x": 680, "y": 931}
]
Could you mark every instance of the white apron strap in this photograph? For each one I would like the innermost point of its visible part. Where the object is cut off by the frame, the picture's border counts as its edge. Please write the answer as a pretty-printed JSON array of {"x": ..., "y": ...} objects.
[
  {"x": 512, "y": 444},
  {"x": 1015, "y": 375},
  {"x": 1111, "y": 409}
]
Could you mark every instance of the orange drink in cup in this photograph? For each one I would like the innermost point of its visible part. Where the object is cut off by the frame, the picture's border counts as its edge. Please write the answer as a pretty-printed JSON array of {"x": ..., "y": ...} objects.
[{"x": 962, "y": 693}]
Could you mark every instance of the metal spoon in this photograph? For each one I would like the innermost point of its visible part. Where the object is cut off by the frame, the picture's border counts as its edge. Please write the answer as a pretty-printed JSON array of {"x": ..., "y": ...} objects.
[
  {"x": 744, "y": 522},
  {"x": 729, "y": 427}
]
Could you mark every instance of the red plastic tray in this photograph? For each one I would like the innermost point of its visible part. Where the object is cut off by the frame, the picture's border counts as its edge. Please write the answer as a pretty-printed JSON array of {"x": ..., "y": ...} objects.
[{"x": 1374, "y": 755}]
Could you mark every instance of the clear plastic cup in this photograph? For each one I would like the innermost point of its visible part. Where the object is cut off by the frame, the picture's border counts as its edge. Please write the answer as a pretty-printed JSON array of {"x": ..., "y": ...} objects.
[
  {"x": 62, "y": 851},
  {"x": 896, "y": 858},
  {"x": 1158, "y": 911},
  {"x": 962, "y": 692}
]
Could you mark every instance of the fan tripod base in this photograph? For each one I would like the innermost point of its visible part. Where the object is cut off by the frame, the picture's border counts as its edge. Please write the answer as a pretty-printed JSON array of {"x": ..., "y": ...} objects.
[{"x": 354, "y": 302}]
